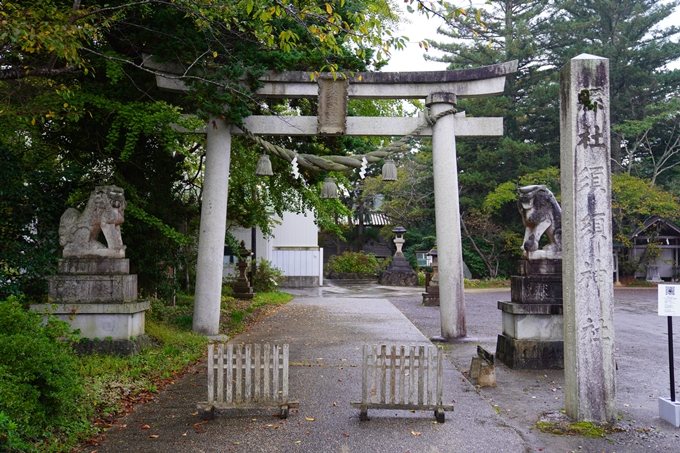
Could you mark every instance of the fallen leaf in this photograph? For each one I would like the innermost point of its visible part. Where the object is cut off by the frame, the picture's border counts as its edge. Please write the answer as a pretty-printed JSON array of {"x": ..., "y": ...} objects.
[
  {"x": 415, "y": 433},
  {"x": 154, "y": 436},
  {"x": 310, "y": 419},
  {"x": 298, "y": 441},
  {"x": 345, "y": 434},
  {"x": 195, "y": 413},
  {"x": 145, "y": 427},
  {"x": 184, "y": 434}
]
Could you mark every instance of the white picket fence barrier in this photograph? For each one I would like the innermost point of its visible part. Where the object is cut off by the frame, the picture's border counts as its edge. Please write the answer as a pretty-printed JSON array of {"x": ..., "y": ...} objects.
[
  {"x": 406, "y": 378},
  {"x": 247, "y": 377}
]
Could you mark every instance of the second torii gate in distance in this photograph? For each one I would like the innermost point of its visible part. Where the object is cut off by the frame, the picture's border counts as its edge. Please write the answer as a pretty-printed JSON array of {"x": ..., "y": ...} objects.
[{"x": 439, "y": 89}]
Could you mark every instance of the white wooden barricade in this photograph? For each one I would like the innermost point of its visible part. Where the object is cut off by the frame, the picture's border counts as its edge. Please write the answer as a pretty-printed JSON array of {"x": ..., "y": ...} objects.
[
  {"x": 247, "y": 376},
  {"x": 406, "y": 378}
]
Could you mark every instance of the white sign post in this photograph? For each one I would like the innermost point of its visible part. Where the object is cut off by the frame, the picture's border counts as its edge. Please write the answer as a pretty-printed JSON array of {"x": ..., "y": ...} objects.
[{"x": 669, "y": 305}]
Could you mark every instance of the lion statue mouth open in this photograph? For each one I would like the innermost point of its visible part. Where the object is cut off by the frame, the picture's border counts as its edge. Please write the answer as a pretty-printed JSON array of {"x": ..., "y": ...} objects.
[
  {"x": 540, "y": 214},
  {"x": 78, "y": 232}
]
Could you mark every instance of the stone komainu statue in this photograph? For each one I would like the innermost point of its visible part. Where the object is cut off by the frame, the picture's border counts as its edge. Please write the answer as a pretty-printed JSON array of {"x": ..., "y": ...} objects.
[
  {"x": 540, "y": 214},
  {"x": 78, "y": 232}
]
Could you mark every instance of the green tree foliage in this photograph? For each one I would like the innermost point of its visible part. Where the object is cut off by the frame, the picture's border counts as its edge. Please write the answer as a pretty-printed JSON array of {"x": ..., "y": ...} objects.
[
  {"x": 40, "y": 386},
  {"x": 33, "y": 195},
  {"x": 629, "y": 34},
  {"x": 650, "y": 147},
  {"x": 634, "y": 200},
  {"x": 409, "y": 201}
]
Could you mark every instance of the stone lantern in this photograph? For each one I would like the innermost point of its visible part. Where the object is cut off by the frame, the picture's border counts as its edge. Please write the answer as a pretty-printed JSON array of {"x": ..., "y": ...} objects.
[
  {"x": 399, "y": 239},
  {"x": 431, "y": 295},
  {"x": 242, "y": 289},
  {"x": 399, "y": 273}
]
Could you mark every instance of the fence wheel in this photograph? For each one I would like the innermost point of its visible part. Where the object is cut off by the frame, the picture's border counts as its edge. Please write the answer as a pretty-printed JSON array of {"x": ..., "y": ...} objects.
[
  {"x": 440, "y": 415},
  {"x": 284, "y": 412},
  {"x": 363, "y": 415},
  {"x": 207, "y": 413}
]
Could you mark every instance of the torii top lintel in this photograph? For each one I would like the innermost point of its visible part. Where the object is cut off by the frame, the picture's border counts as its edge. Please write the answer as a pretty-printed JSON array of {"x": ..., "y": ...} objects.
[{"x": 473, "y": 82}]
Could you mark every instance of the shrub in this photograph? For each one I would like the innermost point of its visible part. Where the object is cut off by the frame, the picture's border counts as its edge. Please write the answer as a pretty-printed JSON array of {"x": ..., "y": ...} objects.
[
  {"x": 353, "y": 262},
  {"x": 267, "y": 277},
  {"x": 10, "y": 440},
  {"x": 40, "y": 385}
]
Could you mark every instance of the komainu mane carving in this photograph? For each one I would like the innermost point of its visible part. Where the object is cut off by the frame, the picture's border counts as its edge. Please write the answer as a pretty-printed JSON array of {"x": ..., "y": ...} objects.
[
  {"x": 104, "y": 212},
  {"x": 540, "y": 214}
]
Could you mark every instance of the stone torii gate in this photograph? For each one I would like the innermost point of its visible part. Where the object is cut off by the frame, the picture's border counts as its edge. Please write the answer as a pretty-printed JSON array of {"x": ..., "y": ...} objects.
[{"x": 439, "y": 89}]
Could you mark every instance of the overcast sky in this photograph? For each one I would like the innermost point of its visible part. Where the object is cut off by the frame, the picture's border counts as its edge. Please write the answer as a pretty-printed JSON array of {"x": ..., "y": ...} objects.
[{"x": 411, "y": 58}]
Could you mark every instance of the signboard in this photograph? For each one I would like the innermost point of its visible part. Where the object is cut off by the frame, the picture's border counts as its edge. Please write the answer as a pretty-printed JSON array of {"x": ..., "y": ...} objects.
[{"x": 669, "y": 300}]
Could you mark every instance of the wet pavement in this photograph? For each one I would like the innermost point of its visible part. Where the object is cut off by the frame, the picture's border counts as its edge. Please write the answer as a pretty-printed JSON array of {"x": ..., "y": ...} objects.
[
  {"x": 326, "y": 328},
  {"x": 357, "y": 289}
]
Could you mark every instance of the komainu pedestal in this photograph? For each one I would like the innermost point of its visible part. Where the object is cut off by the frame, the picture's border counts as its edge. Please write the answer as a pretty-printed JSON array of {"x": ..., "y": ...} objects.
[
  {"x": 98, "y": 296},
  {"x": 533, "y": 335}
]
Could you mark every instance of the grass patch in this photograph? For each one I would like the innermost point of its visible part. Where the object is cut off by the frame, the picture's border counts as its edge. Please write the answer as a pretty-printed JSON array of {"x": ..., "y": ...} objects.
[
  {"x": 112, "y": 384},
  {"x": 641, "y": 284},
  {"x": 487, "y": 283},
  {"x": 237, "y": 315},
  {"x": 585, "y": 429}
]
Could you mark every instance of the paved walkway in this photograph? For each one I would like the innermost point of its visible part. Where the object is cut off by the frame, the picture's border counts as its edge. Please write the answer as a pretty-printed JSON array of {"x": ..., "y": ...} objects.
[{"x": 326, "y": 335}]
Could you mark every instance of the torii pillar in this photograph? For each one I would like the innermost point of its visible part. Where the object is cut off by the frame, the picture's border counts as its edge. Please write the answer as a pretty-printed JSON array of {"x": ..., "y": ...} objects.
[
  {"x": 447, "y": 218},
  {"x": 212, "y": 229}
]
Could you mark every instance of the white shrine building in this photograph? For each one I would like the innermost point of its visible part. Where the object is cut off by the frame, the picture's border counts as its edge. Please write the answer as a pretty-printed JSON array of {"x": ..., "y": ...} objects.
[{"x": 292, "y": 247}]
